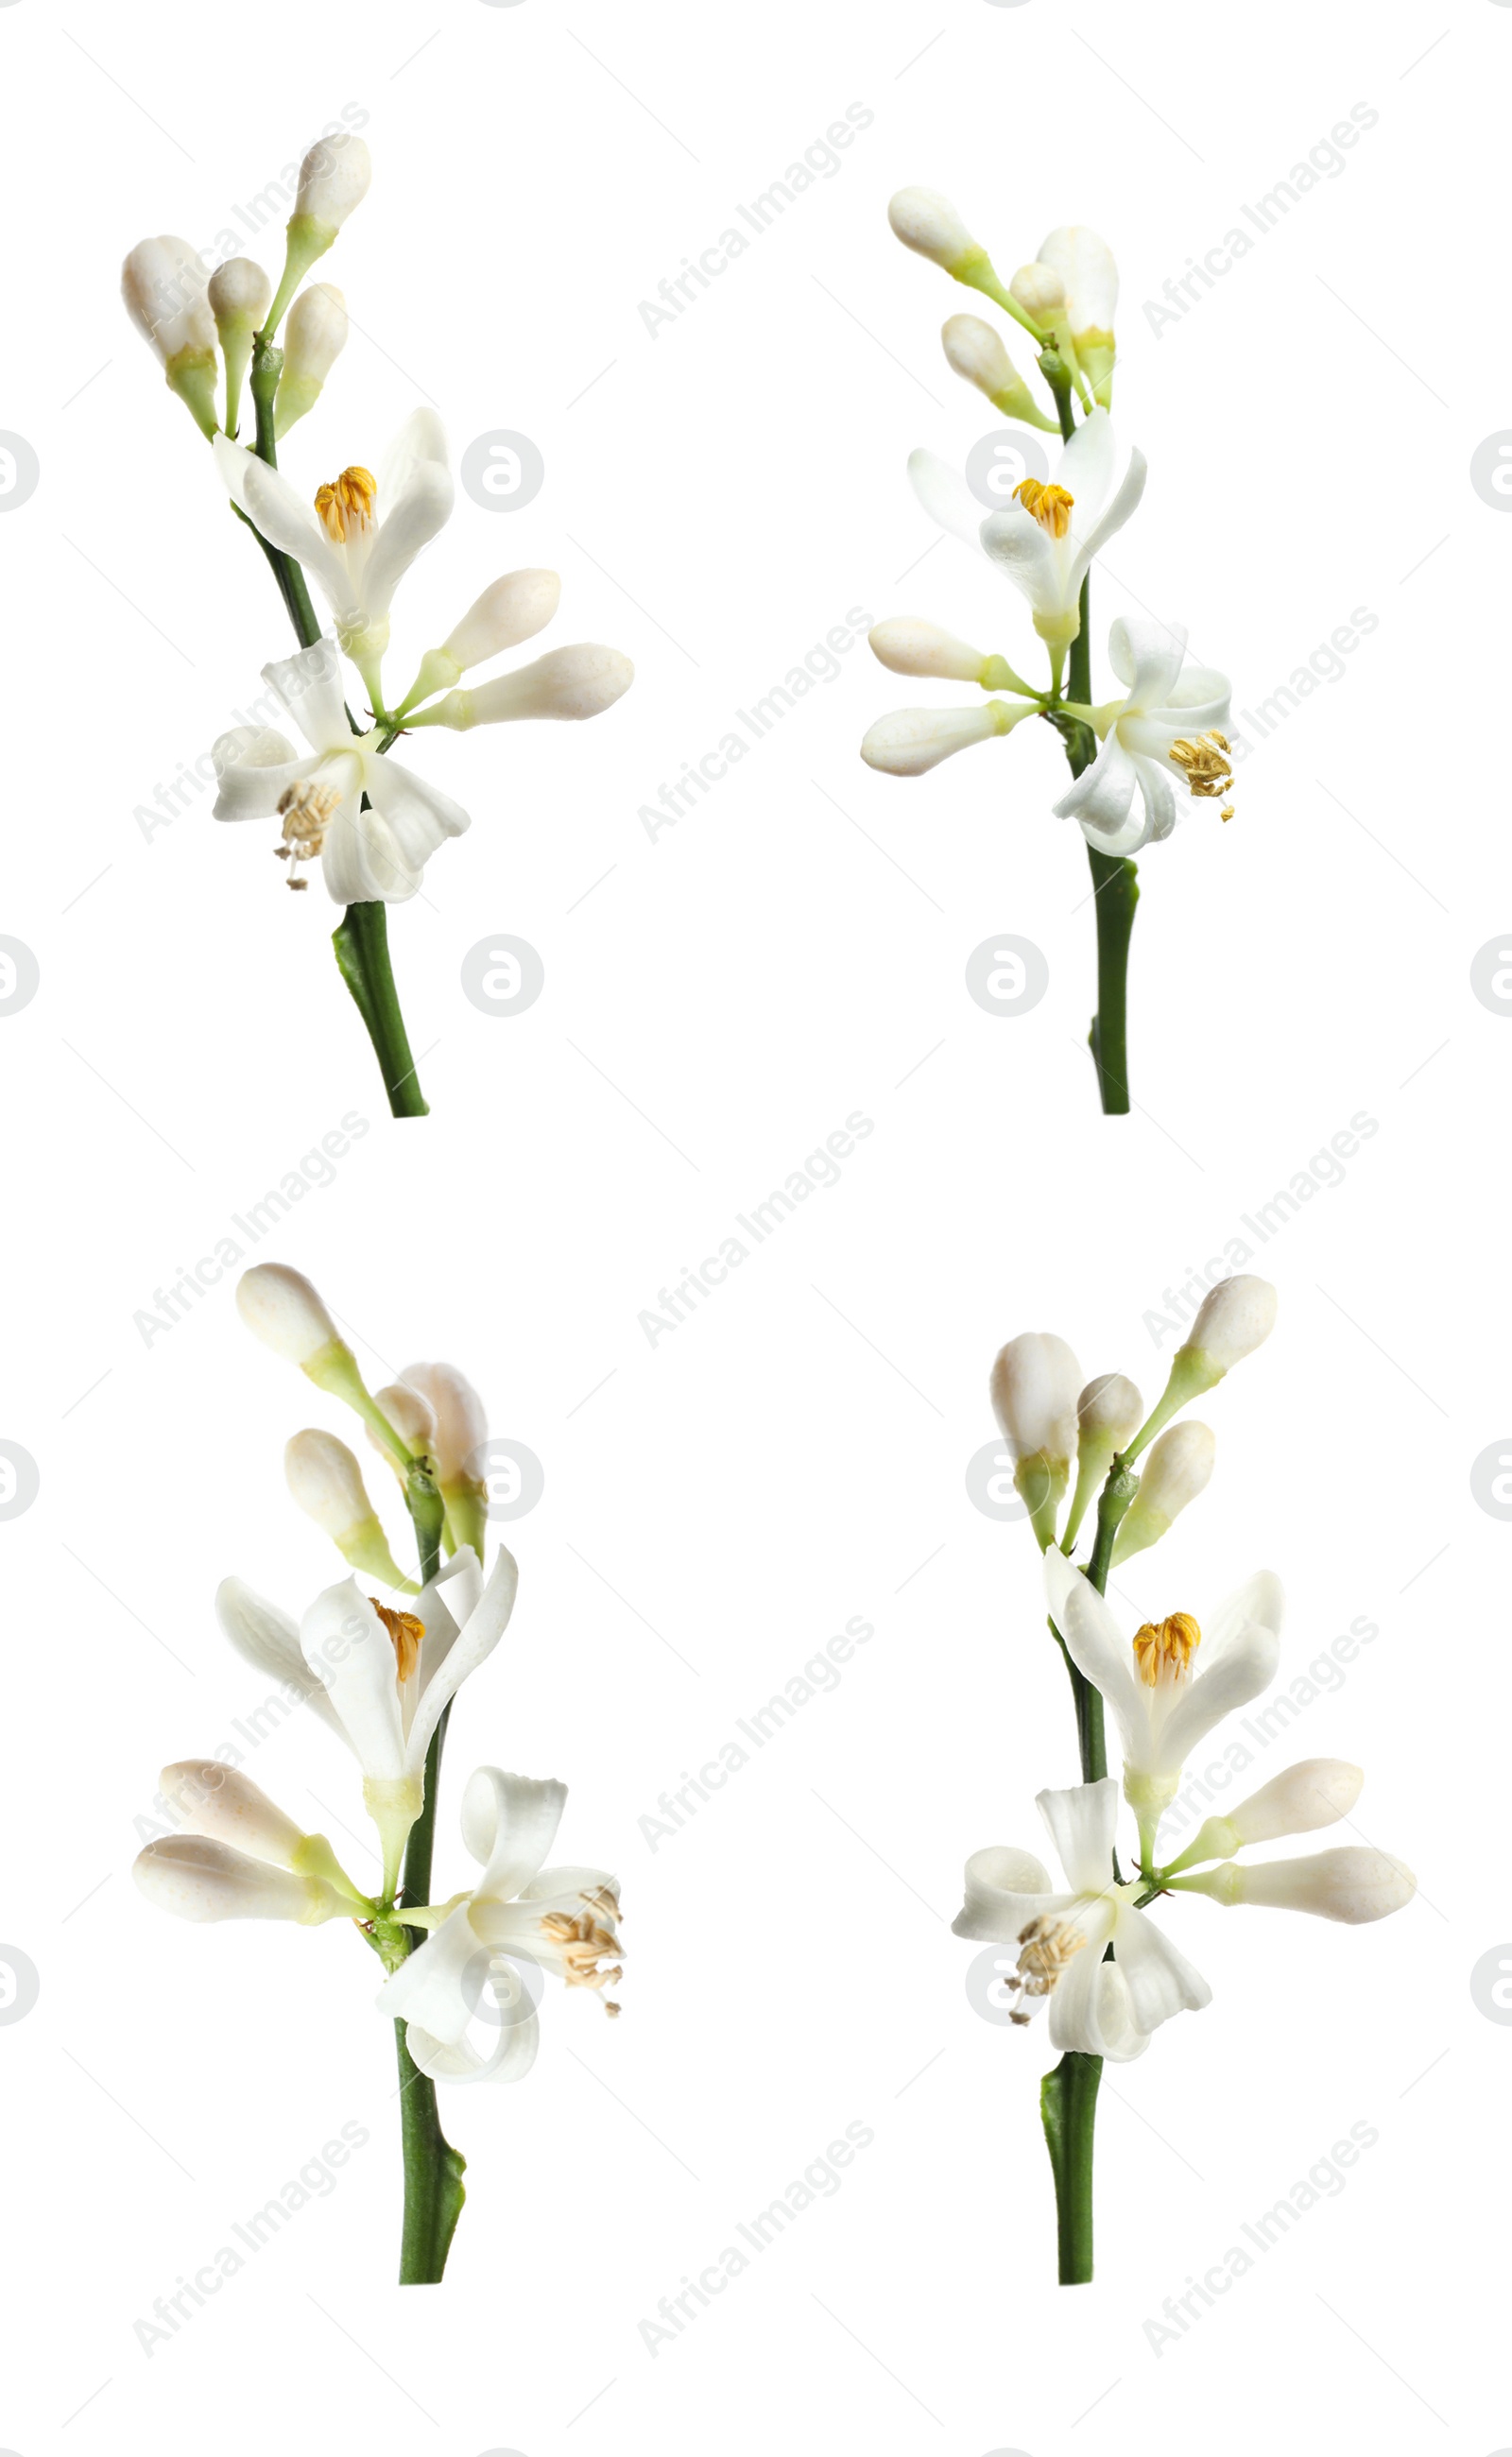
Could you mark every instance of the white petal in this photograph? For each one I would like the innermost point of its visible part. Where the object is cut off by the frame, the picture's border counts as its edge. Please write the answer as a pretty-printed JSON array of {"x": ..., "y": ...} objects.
[
  {"x": 442, "y": 1605},
  {"x": 1237, "y": 1673},
  {"x": 509, "y": 1821},
  {"x": 480, "y": 1634},
  {"x": 1090, "y": 2011},
  {"x": 1157, "y": 790},
  {"x": 420, "y": 817},
  {"x": 946, "y": 496},
  {"x": 271, "y": 1641},
  {"x": 361, "y": 860},
  {"x": 1161, "y": 1981},
  {"x": 509, "y": 2058},
  {"x": 255, "y": 767},
  {"x": 1098, "y": 1648},
  {"x": 309, "y": 687},
  {"x": 1124, "y": 505},
  {"x": 1086, "y": 468},
  {"x": 1146, "y": 655},
  {"x": 1004, "y": 1890},
  {"x": 1015, "y": 542},
  {"x": 281, "y": 516},
  {"x": 1100, "y": 796},
  {"x": 346, "y": 1645},
  {"x": 1083, "y": 1824},
  {"x": 441, "y": 1984}
]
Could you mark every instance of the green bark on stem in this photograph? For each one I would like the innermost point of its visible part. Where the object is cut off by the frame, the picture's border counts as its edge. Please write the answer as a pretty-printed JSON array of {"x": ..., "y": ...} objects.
[
  {"x": 362, "y": 940},
  {"x": 433, "y": 2170},
  {"x": 1068, "y": 2092}
]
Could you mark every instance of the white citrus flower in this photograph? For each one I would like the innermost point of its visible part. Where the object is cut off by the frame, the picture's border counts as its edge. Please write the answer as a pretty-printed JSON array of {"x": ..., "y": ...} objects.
[
  {"x": 1164, "y": 734},
  {"x": 1047, "y": 538},
  {"x": 374, "y": 856},
  {"x": 1174, "y": 1680},
  {"x": 381, "y": 1676},
  {"x": 1097, "y": 2008},
  {"x": 559, "y": 1920}
]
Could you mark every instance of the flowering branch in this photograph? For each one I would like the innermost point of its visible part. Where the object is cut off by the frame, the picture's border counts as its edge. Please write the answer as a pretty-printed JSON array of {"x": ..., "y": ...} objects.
[{"x": 1109, "y": 1973}]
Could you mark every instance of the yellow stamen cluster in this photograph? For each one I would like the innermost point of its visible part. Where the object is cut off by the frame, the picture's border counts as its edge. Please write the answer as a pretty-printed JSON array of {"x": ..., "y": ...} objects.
[
  {"x": 345, "y": 506},
  {"x": 1159, "y": 1645},
  {"x": 1050, "y": 506},
  {"x": 1206, "y": 766},
  {"x": 585, "y": 1941},
  {"x": 405, "y": 1633},
  {"x": 306, "y": 811}
]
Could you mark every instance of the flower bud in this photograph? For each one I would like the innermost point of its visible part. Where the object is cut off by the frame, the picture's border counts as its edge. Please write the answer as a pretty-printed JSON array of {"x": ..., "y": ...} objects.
[
  {"x": 913, "y": 741},
  {"x": 1108, "y": 1414},
  {"x": 1353, "y": 1884},
  {"x": 197, "y": 1878},
  {"x": 459, "y": 1422},
  {"x": 514, "y": 608},
  {"x": 1179, "y": 1467},
  {"x": 1035, "y": 1385},
  {"x": 581, "y": 681},
  {"x": 314, "y": 338},
  {"x": 1317, "y": 1792},
  {"x": 1233, "y": 1320},
  {"x": 326, "y": 1482},
  {"x": 930, "y": 223},
  {"x": 1089, "y": 278},
  {"x": 335, "y": 176},
  {"x": 204, "y": 1796},
  {"x": 163, "y": 285},
  {"x": 975, "y": 351},
  {"x": 281, "y": 1306},
  {"x": 239, "y": 295},
  {"x": 907, "y": 645},
  {"x": 413, "y": 1419},
  {"x": 1041, "y": 293}
]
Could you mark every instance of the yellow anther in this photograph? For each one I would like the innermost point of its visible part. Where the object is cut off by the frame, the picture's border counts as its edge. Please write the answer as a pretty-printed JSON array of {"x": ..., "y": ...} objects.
[
  {"x": 1205, "y": 765},
  {"x": 345, "y": 506},
  {"x": 1165, "y": 1645},
  {"x": 1044, "y": 1948},
  {"x": 405, "y": 1632},
  {"x": 1050, "y": 506}
]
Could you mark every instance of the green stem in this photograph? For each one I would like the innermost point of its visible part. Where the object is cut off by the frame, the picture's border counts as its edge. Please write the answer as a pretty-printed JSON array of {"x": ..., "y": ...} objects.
[
  {"x": 433, "y": 2170},
  {"x": 361, "y": 939},
  {"x": 1068, "y": 2092},
  {"x": 1115, "y": 888}
]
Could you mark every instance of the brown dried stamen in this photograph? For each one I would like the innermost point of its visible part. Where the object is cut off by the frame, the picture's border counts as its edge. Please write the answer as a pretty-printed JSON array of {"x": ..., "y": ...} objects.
[
  {"x": 1205, "y": 766},
  {"x": 306, "y": 811},
  {"x": 585, "y": 1942}
]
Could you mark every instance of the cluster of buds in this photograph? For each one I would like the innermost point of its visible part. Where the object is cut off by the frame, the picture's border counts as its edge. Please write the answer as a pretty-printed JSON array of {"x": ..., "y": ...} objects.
[
  {"x": 1065, "y": 300},
  {"x": 183, "y": 307}
]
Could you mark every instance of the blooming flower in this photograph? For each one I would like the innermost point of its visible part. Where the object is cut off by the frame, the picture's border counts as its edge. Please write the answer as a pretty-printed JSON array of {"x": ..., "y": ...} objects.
[
  {"x": 1165, "y": 732},
  {"x": 1161, "y": 1705},
  {"x": 1047, "y": 538},
  {"x": 1097, "y": 2006},
  {"x": 374, "y": 856},
  {"x": 380, "y": 1677},
  {"x": 361, "y": 535},
  {"x": 562, "y": 1920}
]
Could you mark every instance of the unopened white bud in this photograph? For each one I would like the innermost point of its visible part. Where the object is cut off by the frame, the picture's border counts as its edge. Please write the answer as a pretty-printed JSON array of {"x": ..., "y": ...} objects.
[
  {"x": 974, "y": 349},
  {"x": 203, "y": 1796},
  {"x": 314, "y": 338},
  {"x": 512, "y": 609},
  {"x": 413, "y": 1419},
  {"x": 197, "y": 1878},
  {"x": 1179, "y": 1467},
  {"x": 907, "y": 645},
  {"x": 913, "y": 741},
  {"x": 286, "y": 1311},
  {"x": 1233, "y": 1320},
  {"x": 930, "y": 223},
  {"x": 1108, "y": 1412},
  {"x": 1317, "y": 1792},
  {"x": 1089, "y": 278},
  {"x": 164, "y": 286},
  {"x": 239, "y": 292},
  {"x": 1351, "y": 1883},
  {"x": 1035, "y": 1385},
  {"x": 1040, "y": 292},
  {"x": 577, "y": 682},
  {"x": 335, "y": 176},
  {"x": 459, "y": 1421}
]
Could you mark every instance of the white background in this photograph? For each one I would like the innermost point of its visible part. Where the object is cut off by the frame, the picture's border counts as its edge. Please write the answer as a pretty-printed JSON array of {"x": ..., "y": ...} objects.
[{"x": 717, "y": 1001}]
